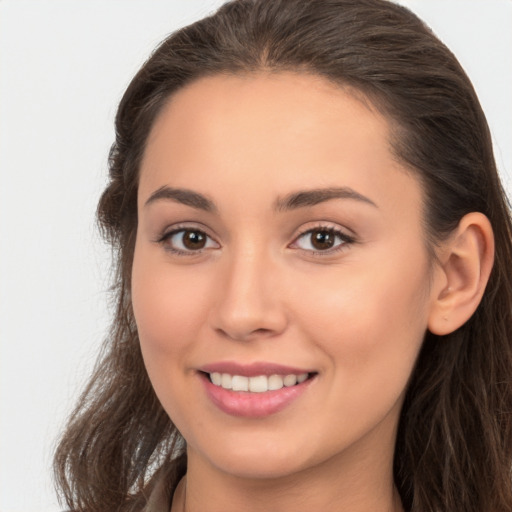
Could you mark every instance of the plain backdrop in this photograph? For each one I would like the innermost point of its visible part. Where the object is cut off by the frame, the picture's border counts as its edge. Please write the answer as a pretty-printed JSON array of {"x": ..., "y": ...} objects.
[{"x": 63, "y": 67}]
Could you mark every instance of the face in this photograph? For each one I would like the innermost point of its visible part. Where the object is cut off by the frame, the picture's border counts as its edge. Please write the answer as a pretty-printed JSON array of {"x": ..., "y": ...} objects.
[{"x": 280, "y": 278}]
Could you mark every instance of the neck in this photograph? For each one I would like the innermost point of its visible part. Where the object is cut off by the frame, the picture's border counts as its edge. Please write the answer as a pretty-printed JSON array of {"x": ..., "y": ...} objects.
[{"x": 351, "y": 483}]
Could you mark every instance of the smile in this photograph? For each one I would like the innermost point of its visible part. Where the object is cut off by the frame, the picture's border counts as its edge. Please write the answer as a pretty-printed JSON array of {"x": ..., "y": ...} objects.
[
  {"x": 258, "y": 383},
  {"x": 254, "y": 391}
]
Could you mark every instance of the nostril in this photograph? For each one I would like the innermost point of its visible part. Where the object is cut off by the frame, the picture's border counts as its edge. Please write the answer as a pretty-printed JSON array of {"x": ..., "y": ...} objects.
[
  {"x": 248, "y": 335},
  {"x": 262, "y": 331}
]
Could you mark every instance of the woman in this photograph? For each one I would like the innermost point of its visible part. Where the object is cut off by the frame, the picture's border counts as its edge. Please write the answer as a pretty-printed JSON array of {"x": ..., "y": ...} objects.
[{"x": 314, "y": 295}]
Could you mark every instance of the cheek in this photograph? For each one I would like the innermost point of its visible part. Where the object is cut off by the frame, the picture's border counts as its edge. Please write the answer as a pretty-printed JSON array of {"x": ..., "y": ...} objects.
[
  {"x": 167, "y": 313},
  {"x": 371, "y": 323},
  {"x": 166, "y": 304}
]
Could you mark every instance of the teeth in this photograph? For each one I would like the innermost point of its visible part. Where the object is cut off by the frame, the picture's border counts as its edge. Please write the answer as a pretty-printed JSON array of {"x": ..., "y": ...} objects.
[
  {"x": 290, "y": 380},
  {"x": 240, "y": 383},
  {"x": 216, "y": 378},
  {"x": 275, "y": 382},
  {"x": 225, "y": 381},
  {"x": 258, "y": 384},
  {"x": 301, "y": 378}
]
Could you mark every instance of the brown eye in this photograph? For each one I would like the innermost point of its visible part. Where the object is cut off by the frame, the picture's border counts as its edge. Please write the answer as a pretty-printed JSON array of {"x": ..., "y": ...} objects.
[
  {"x": 188, "y": 241},
  {"x": 322, "y": 239},
  {"x": 193, "y": 240}
]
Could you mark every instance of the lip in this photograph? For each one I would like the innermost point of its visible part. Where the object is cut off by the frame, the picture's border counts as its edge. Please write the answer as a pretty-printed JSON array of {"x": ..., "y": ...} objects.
[
  {"x": 253, "y": 405},
  {"x": 253, "y": 369}
]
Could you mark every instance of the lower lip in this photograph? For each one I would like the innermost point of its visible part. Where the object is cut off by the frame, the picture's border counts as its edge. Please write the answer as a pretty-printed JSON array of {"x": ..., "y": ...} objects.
[{"x": 253, "y": 405}]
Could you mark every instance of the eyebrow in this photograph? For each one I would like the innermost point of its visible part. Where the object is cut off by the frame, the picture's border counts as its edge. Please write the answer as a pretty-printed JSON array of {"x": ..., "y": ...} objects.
[
  {"x": 291, "y": 201},
  {"x": 317, "y": 196},
  {"x": 183, "y": 196}
]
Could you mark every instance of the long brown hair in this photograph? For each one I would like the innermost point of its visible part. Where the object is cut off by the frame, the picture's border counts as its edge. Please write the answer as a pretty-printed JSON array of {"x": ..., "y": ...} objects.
[{"x": 454, "y": 444}]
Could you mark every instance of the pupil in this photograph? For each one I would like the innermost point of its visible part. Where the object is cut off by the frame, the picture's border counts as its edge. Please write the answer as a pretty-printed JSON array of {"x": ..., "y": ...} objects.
[
  {"x": 322, "y": 240},
  {"x": 193, "y": 240}
]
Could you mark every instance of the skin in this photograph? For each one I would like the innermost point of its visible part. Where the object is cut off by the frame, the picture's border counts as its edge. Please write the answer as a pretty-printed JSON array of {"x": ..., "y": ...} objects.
[{"x": 258, "y": 292}]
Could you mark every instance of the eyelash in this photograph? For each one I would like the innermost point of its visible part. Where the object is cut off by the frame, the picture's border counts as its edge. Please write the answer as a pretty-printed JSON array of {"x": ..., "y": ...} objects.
[
  {"x": 344, "y": 238},
  {"x": 166, "y": 237}
]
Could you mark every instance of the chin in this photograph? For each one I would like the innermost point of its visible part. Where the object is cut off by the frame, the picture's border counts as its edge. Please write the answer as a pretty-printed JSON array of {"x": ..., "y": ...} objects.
[
  {"x": 254, "y": 457},
  {"x": 259, "y": 468}
]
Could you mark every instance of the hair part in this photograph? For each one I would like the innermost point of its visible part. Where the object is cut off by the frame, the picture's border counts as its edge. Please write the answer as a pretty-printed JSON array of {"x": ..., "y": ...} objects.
[{"x": 454, "y": 443}]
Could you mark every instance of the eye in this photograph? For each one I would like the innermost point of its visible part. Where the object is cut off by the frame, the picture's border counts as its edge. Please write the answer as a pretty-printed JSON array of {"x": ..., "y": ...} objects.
[
  {"x": 322, "y": 240},
  {"x": 187, "y": 240}
]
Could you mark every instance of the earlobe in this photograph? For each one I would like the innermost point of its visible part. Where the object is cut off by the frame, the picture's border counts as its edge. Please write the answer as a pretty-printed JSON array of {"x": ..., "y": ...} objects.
[{"x": 465, "y": 264}]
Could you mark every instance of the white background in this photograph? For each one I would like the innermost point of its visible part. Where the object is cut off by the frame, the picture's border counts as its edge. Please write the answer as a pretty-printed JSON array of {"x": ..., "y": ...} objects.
[{"x": 63, "y": 67}]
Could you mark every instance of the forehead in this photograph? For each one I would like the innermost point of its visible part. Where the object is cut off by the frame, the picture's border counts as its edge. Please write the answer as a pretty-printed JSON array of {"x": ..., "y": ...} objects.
[
  {"x": 276, "y": 131},
  {"x": 290, "y": 102}
]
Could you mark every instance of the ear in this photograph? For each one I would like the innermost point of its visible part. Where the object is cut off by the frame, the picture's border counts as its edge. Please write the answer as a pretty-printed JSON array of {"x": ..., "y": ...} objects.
[{"x": 464, "y": 266}]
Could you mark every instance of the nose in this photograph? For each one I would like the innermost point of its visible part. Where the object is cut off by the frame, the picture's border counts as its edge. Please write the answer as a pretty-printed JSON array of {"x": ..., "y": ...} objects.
[{"x": 249, "y": 303}]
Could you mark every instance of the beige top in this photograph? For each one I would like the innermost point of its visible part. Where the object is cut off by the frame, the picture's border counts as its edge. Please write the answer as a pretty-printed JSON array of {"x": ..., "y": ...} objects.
[
  {"x": 160, "y": 497},
  {"x": 167, "y": 481}
]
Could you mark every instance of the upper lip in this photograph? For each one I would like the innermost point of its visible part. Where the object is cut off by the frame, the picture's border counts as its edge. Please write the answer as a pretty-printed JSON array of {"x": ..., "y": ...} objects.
[{"x": 252, "y": 369}]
